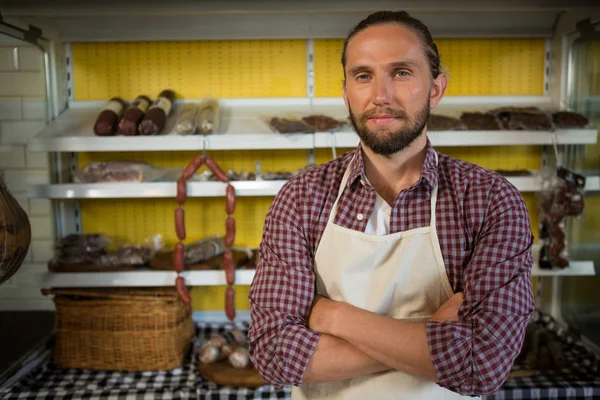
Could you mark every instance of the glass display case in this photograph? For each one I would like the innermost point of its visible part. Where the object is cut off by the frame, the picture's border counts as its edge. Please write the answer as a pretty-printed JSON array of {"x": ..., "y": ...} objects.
[{"x": 580, "y": 297}]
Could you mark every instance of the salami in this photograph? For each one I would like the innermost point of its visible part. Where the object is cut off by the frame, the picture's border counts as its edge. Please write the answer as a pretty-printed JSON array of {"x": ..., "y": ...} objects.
[
  {"x": 179, "y": 257},
  {"x": 230, "y": 199},
  {"x": 156, "y": 117},
  {"x": 215, "y": 169},
  {"x": 208, "y": 117},
  {"x": 181, "y": 191},
  {"x": 180, "y": 223},
  {"x": 133, "y": 116},
  {"x": 229, "y": 231},
  {"x": 106, "y": 123},
  {"x": 182, "y": 291},
  {"x": 192, "y": 167},
  {"x": 230, "y": 303},
  {"x": 229, "y": 267}
]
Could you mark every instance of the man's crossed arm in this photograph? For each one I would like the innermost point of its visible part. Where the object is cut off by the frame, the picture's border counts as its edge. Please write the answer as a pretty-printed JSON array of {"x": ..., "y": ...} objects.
[{"x": 356, "y": 342}]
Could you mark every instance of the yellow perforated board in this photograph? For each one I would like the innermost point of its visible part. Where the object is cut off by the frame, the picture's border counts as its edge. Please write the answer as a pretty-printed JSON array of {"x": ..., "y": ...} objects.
[
  {"x": 477, "y": 67},
  {"x": 194, "y": 69}
]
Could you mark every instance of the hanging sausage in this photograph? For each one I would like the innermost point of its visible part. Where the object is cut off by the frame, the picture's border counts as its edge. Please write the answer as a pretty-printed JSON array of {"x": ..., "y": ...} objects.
[{"x": 228, "y": 259}]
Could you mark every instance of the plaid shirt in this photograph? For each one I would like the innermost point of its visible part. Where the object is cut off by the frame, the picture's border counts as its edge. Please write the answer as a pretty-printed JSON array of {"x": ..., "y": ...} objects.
[{"x": 485, "y": 237}]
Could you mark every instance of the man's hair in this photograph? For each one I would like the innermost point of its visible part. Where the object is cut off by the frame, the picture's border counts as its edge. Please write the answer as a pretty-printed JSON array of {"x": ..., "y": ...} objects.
[{"x": 401, "y": 18}]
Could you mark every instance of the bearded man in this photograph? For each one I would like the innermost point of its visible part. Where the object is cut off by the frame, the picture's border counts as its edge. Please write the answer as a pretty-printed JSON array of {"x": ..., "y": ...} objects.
[{"x": 393, "y": 271}]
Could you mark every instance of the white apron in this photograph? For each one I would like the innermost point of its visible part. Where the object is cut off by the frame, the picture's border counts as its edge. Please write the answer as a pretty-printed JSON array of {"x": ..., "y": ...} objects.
[{"x": 400, "y": 275}]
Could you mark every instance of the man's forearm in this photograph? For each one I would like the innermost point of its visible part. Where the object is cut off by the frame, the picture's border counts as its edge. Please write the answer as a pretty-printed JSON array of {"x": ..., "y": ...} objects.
[
  {"x": 400, "y": 344},
  {"x": 335, "y": 359}
]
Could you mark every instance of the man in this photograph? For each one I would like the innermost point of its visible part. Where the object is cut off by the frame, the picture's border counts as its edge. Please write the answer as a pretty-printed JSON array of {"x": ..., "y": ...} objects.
[{"x": 365, "y": 260}]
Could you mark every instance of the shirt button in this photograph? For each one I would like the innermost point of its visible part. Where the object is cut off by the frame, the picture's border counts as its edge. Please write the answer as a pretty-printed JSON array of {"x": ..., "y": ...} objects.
[
  {"x": 362, "y": 182},
  {"x": 360, "y": 217}
]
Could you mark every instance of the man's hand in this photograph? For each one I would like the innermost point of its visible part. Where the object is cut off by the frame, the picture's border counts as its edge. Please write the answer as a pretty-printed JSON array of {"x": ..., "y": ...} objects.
[
  {"x": 321, "y": 314},
  {"x": 449, "y": 310}
]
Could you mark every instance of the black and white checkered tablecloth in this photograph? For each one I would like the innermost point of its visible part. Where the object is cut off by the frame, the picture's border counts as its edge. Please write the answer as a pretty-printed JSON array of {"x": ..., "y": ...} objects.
[
  {"x": 49, "y": 382},
  {"x": 581, "y": 381}
]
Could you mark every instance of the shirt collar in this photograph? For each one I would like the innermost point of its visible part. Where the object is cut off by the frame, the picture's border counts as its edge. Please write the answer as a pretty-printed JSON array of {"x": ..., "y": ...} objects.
[{"x": 429, "y": 174}]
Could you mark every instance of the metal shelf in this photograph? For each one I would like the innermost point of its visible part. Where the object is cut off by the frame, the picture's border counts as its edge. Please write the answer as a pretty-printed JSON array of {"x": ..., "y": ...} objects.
[
  {"x": 150, "y": 190},
  {"x": 575, "y": 268},
  {"x": 143, "y": 278},
  {"x": 592, "y": 184},
  {"x": 210, "y": 189},
  {"x": 243, "y": 126},
  {"x": 147, "y": 278},
  {"x": 475, "y": 138}
]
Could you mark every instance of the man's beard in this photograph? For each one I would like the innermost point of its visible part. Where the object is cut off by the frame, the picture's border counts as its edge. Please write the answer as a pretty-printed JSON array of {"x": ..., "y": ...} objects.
[{"x": 386, "y": 142}]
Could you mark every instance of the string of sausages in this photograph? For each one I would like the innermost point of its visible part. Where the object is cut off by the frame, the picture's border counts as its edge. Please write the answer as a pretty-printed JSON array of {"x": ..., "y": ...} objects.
[{"x": 179, "y": 253}]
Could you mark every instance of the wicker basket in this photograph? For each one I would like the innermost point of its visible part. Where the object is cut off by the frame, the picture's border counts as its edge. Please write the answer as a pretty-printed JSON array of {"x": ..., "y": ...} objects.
[{"x": 121, "y": 329}]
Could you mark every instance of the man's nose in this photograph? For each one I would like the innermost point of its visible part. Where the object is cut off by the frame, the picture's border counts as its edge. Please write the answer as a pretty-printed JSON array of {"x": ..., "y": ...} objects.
[{"x": 383, "y": 89}]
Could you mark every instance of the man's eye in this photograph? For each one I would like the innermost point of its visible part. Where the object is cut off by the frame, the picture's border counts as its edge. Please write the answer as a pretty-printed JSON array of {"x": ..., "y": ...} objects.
[
  {"x": 362, "y": 77},
  {"x": 403, "y": 73}
]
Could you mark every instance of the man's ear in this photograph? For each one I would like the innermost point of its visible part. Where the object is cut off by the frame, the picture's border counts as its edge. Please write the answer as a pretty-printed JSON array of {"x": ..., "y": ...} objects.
[{"x": 438, "y": 89}]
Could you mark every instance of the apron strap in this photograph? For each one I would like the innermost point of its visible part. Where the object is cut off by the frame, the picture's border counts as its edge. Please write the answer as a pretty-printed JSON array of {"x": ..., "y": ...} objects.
[{"x": 340, "y": 191}]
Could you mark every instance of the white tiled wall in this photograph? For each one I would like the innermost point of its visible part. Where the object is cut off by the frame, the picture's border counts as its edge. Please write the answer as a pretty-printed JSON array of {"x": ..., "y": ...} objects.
[{"x": 22, "y": 116}]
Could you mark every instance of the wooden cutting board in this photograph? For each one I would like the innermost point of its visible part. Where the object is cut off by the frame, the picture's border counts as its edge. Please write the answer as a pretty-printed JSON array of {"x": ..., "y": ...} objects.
[
  {"x": 164, "y": 261},
  {"x": 222, "y": 373}
]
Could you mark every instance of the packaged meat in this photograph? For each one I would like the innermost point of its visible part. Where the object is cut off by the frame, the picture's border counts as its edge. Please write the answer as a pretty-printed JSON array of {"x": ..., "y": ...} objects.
[
  {"x": 569, "y": 120},
  {"x": 323, "y": 123},
  {"x": 290, "y": 125},
  {"x": 438, "y": 122},
  {"x": 186, "y": 122},
  {"x": 204, "y": 249},
  {"x": 477, "y": 121},
  {"x": 81, "y": 249},
  {"x": 90, "y": 242},
  {"x": 208, "y": 116},
  {"x": 156, "y": 116},
  {"x": 118, "y": 171},
  {"x": 107, "y": 120},
  {"x": 133, "y": 116},
  {"x": 128, "y": 255}
]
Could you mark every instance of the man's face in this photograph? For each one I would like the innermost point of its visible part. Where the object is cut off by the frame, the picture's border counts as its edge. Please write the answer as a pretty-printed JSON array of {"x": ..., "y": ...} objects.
[{"x": 388, "y": 88}]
